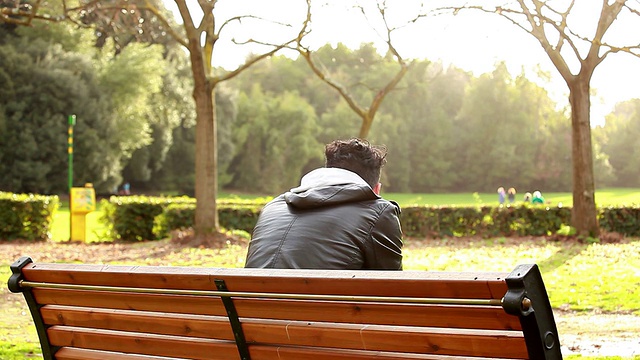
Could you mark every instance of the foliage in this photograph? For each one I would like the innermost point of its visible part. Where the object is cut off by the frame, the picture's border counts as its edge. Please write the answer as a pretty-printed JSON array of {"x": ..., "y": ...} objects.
[
  {"x": 281, "y": 129},
  {"x": 619, "y": 137},
  {"x": 513, "y": 134},
  {"x": 144, "y": 218},
  {"x": 485, "y": 221},
  {"x": 140, "y": 218},
  {"x": 26, "y": 216},
  {"x": 621, "y": 219},
  {"x": 46, "y": 82},
  {"x": 238, "y": 217},
  {"x": 446, "y": 130},
  {"x": 174, "y": 217},
  {"x": 131, "y": 218}
]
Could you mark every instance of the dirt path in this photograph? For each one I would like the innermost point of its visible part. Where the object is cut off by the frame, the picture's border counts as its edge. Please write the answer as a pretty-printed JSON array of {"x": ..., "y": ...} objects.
[{"x": 598, "y": 334}]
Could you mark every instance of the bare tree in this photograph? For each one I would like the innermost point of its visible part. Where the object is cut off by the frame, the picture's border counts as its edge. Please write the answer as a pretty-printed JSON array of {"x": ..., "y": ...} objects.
[
  {"x": 199, "y": 39},
  {"x": 367, "y": 114},
  {"x": 564, "y": 45}
]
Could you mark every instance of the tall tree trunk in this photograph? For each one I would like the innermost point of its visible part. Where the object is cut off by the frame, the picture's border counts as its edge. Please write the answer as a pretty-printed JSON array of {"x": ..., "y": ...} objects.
[
  {"x": 206, "y": 157},
  {"x": 584, "y": 214}
]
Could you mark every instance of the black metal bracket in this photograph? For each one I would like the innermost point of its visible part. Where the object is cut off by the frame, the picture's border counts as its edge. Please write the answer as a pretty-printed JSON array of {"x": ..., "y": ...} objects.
[
  {"x": 16, "y": 274},
  {"x": 34, "y": 307},
  {"x": 234, "y": 320},
  {"x": 527, "y": 298}
]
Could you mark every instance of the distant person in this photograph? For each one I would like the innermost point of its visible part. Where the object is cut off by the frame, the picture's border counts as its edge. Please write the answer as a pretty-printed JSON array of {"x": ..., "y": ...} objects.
[
  {"x": 126, "y": 189},
  {"x": 501, "y": 195},
  {"x": 527, "y": 197},
  {"x": 537, "y": 198},
  {"x": 335, "y": 219},
  {"x": 511, "y": 194}
]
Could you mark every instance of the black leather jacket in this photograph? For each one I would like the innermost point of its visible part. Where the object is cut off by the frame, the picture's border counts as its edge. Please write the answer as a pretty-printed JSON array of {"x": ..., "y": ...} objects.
[{"x": 332, "y": 221}]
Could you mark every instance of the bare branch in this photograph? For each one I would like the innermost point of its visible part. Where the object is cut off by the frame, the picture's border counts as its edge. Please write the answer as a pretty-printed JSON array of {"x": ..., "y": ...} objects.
[
  {"x": 154, "y": 10},
  {"x": 16, "y": 15},
  {"x": 275, "y": 47},
  {"x": 250, "y": 61},
  {"x": 633, "y": 11},
  {"x": 366, "y": 114},
  {"x": 608, "y": 15},
  {"x": 536, "y": 23}
]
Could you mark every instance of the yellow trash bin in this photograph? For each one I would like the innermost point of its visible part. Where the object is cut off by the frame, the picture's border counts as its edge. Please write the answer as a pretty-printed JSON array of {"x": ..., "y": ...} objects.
[{"x": 82, "y": 202}]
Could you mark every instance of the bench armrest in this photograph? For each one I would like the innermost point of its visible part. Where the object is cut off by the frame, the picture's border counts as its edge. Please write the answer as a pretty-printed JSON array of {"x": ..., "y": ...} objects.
[{"x": 527, "y": 298}]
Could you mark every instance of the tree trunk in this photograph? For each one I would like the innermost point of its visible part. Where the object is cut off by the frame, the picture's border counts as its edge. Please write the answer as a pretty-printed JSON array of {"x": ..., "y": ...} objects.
[
  {"x": 206, "y": 157},
  {"x": 365, "y": 127},
  {"x": 583, "y": 215}
]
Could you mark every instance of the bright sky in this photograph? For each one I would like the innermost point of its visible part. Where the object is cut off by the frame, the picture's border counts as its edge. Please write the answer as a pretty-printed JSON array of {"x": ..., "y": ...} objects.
[{"x": 471, "y": 41}]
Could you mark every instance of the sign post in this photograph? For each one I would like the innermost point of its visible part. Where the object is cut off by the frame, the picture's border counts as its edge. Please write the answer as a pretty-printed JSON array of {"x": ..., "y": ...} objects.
[{"x": 83, "y": 202}]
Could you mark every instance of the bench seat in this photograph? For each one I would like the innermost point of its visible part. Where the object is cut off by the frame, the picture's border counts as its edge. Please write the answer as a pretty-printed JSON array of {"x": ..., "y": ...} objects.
[{"x": 84, "y": 311}]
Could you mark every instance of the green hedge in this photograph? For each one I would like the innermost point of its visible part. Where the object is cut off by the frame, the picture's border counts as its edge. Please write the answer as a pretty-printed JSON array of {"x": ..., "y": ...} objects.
[
  {"x": 26, "y": 216},
  {"x": 231, "y": 216},
  {"x": 624, "y": 220},
  {"x": 131, "y": 218},
  {"x": 487, "y": 221},
  {"x": 138, "y": 218},
  {"x": 141, "y": 218}
]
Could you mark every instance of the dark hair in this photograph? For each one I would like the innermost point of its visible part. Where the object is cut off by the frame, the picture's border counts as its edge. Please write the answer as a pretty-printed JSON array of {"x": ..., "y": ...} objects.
[{"x": 357, "y": 155}]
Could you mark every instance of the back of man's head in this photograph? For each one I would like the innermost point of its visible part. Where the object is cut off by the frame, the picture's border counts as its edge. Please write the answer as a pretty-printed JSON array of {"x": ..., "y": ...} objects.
[{"x": 358, "y": 156}]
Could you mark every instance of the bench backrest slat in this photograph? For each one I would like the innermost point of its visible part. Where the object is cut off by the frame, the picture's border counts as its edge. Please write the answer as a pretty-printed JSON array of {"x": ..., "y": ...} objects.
[
  {"x": 369, "y": 283},
  {"x": 472, "y": 317},
  {"x": 268, "y": 353},
  {"x": 71, "y": 353}
]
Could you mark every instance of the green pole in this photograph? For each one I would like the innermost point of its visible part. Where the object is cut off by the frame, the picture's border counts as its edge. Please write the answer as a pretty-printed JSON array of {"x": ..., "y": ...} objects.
[{"x": 72, "y": 122}]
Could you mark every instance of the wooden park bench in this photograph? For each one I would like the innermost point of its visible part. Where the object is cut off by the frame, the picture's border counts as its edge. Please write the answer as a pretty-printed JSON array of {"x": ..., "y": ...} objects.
[{"x": 148, "y": 312}]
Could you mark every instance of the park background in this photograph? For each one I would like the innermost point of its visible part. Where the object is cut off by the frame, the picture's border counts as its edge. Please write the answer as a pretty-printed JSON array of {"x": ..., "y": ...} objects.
[{"x": 449, "y": 130}]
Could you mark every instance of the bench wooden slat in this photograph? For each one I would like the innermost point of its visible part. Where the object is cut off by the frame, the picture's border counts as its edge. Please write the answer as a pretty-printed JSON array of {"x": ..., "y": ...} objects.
[
  {"x": 334, "y": 282},
  {"x": 298, "y": 333},
  {"x": 202, "y": 326},
  {"x": 265, "y": 353},
  {"x": 145, "y": 344},
  {"x": 149, "y": 345},
  {"x": 70, "y": 353},
  {"x": 385, "y": 338},
  {"x": 476, "y": 317}
]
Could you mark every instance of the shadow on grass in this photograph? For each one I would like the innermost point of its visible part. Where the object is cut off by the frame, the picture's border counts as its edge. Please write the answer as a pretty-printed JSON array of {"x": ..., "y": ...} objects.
[{"x": 570, "y": 249}]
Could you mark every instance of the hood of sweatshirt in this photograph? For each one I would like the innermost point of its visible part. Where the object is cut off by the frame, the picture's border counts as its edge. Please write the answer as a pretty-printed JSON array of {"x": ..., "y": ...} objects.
[{"x": 327, "y": 187}]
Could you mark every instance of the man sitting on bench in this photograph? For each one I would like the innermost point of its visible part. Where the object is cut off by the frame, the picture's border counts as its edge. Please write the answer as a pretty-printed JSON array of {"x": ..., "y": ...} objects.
[{"x": 335, "y": 219}]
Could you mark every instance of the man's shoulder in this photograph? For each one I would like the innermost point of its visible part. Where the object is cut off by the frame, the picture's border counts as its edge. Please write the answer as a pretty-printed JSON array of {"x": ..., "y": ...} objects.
[{"x": 388, "y": 205}]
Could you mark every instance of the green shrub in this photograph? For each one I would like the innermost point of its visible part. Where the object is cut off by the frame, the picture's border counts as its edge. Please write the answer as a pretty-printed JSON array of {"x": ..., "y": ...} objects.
[
  {"x": 136, "y": 218},
  {"x": 486, "y": 221},
  {"x": 566, "y": 230},
  {"x": 131, "y": 218},
  {"x": 174, "y": 217},
  {"x": 624, "y": 220},
  {"x": 242, "y": 216},
  {"x": 26, "y": 216}
]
